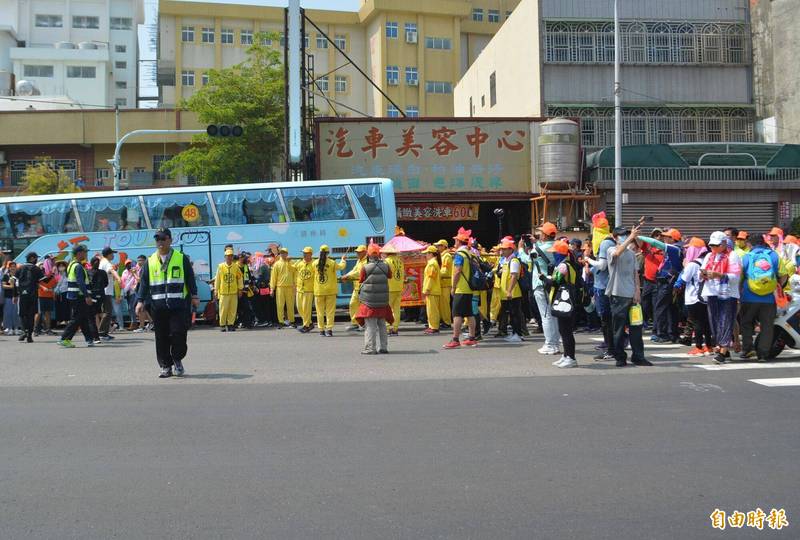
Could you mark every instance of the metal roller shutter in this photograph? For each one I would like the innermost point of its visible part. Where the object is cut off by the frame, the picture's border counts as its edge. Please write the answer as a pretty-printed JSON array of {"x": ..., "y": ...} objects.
[{"x": 701, "y": 219}]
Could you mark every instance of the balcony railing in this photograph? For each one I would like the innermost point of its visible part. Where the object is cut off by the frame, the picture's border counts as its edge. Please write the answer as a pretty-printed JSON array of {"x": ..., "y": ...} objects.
[{"x": 697, "y": 174}]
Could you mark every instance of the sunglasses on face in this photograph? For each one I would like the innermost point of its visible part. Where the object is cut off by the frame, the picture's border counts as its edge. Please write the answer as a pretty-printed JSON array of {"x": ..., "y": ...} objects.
[{"x": 161, "y": 238}]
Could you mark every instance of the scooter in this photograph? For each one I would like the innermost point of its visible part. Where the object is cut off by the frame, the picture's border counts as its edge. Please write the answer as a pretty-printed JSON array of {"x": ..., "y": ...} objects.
[{"x": 787, "y": 322}]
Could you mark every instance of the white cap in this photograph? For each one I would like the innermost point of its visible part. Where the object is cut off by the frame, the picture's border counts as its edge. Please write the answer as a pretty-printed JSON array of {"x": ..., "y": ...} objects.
[{"x": 717, "y": 238}]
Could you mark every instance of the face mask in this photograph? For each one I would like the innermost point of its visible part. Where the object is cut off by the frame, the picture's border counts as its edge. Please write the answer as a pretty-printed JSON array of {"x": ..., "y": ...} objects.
[
  {"x": 558, "y": 258},
  {"x": 621, "y": 238}
]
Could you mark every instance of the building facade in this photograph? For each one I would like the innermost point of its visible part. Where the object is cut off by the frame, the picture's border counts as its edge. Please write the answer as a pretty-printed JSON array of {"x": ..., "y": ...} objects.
[
  {"x": 82, "y": 141},
  {"x": 775, "y": 67},
  {"x": 414, "y": 51},
  {"x": 686, "y": 69},
  {"x": 83, "y": 49}
]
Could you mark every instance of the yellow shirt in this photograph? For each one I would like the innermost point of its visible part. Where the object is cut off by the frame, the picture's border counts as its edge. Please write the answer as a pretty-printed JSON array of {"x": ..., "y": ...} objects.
[
  {"x": 305, "y": 275},
  {"x": 283, "y": 274},
  {"x": 497, "y": 271},
  {"x": 325, "y": 282},
  {"x": 447, "y": 266},
  {"x": 462, "y": 285},
  {"x": 398, "y": 273},
  {"x": 354, "y": 275},
  {"x": 430, "y": 282},
  {"x": 505, "y": 279},
  {"x": 229, "y": 279}
]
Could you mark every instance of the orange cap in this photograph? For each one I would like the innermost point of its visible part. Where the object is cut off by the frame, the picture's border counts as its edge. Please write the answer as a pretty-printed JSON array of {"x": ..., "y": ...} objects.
[
  {"x": 548, "y": 228},
  {"x": 776, "y": 231},
  {"x": 791, "y": 239},
  {"x": 675, "y": 234},
  {"x": 559, "y": 247},
  {"x": 601, "y": 223},
  {"x": 743, "y": 235},
  {"x": 374, "y": 250},
  {"x": 697, "y": 242}
]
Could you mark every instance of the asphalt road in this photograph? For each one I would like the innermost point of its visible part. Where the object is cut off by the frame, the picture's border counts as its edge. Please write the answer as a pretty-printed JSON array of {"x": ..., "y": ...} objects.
[{"x": 277, "y": 435}]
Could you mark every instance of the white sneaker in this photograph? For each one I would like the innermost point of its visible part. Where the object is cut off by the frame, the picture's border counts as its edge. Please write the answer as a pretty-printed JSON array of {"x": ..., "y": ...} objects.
[
  {"x": 549, "y": 349},
  {"x": 568, "y": 363},
  {"x": 513, "y": 338},
  {"x": 559, "y": 361}
]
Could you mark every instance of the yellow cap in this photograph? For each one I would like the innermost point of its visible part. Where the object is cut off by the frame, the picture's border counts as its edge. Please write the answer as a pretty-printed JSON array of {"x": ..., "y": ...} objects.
[
  {"x": 442, "y": 243},
  {"x": 430, "y": 249},
  {"x": 361, "y": 249},
  {"x": 324, "y": 247},
  {"x": 308, "y": 249},
  {"x": 283, "y": 250},
  {"x": 229, "y": 251}
]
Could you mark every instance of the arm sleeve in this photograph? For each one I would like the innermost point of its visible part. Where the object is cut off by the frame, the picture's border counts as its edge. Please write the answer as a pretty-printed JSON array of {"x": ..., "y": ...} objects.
[
  {"x": 272, "y": 279},
  {"x": 658, "y": 244},
  {"x": 82, "y": 282},
  {"x": 341, "y": 265},
  {"x": 143, "y": 291},
  {"x": 188, "y": 271}
]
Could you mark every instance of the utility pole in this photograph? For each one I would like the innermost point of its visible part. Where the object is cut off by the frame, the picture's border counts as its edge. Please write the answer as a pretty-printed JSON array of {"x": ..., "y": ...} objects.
[
  {"x": 115, "y": 160},
  {"x": 617, "y": 122}
]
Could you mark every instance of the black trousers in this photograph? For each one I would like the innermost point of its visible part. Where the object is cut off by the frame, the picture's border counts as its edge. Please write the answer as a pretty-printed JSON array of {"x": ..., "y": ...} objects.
[
  {"x": 648, "y": 299},
  {"x": 698, "y": 318},
  {"x": 566, "y": 329},
  {"x": 28, "y": 305},
  {"x": 620, "y": 318},
  {"x": 763, "y": 313},
  {"x": 665, "y": 314},
  {"x": 170, "y": 327},
  {"x": 511, "y": 310},
  {"x": 81, "y": 316}
]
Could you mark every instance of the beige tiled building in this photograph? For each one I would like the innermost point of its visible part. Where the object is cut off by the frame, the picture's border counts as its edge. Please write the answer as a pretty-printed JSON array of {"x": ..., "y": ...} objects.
[{"x": 416, "y": 51}]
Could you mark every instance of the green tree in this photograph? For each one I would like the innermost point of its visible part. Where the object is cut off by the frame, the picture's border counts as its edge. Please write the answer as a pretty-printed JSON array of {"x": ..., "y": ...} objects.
[
  {"x": 250, "y": 95},
  {"x": 43, "y": 179}
]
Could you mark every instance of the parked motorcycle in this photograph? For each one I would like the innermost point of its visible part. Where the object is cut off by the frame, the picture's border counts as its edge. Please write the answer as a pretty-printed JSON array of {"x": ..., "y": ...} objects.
[{"x": 787, "y": 322}]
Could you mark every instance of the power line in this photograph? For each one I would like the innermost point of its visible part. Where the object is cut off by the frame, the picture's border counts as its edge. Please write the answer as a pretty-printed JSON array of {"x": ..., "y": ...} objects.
[{"x": 79, "y": 105}]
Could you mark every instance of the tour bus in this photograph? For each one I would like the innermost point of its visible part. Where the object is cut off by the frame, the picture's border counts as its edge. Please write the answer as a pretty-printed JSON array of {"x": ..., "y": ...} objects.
[{"x": 203, "y": 219}]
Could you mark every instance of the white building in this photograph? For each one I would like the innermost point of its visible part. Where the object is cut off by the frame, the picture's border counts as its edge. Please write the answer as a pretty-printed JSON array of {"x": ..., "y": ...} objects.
[{"x": 83, "y": 49}]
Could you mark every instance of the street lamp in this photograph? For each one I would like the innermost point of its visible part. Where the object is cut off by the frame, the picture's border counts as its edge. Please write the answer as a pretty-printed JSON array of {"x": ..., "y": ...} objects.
[{"x": 499, "y": 213}]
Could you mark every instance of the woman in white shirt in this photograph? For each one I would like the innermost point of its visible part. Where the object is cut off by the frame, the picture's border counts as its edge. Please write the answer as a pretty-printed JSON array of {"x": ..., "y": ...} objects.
[
  {"x": 721, "y": 272},
  {"x": 690, "y": 279}
]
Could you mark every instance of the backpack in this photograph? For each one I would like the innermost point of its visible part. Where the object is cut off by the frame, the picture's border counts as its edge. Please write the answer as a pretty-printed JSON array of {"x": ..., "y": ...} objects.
[
  {"x": 563, "y": 306},
  {"x": 761, "y": 275},
  {"x": 543, "y": 255},
  {"x": 477, "y": 276},
  {"x": 702, "y": 283},
  {"x": 524, "y": 279}
]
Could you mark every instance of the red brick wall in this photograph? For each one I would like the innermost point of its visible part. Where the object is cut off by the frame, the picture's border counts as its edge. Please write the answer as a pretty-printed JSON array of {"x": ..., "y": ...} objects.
[{"x": 83, "y": 154}]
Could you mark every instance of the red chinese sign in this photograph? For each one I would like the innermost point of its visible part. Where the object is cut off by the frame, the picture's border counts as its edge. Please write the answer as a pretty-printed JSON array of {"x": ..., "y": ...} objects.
[{"x": 437, "y": 212}]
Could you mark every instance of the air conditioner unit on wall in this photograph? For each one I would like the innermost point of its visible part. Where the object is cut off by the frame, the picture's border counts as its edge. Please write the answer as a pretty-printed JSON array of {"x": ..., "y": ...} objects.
[
  {"x": 412, "y": 82},
  {"x": 392, "y": 82},
  {"x": 411, "y": 37}
]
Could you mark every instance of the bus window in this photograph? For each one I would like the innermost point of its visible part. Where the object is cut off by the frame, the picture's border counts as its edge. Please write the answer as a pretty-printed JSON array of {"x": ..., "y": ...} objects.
[
  {"x": 248, "y": 207},
  {"x": 111, "y": 214},
  {"x": 369, "y": 196},
  {"x": 324, "y": 203},
  {"x": 178, "y": 210},
  {"x": 32, "y": 219}
]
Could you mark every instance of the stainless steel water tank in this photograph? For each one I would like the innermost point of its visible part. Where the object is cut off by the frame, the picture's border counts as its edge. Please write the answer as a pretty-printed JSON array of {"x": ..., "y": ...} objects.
[{"x": 559, "y": 154}]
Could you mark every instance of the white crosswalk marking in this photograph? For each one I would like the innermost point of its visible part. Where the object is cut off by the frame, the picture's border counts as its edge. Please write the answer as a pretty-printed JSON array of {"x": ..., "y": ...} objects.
[
  {"x": 788, "y": 381},
  {"x": 747, "y": 365}
]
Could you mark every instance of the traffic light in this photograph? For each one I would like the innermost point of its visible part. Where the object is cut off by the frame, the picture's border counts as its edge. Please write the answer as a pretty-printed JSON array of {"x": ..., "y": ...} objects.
[{"x": 224, "y": 130}]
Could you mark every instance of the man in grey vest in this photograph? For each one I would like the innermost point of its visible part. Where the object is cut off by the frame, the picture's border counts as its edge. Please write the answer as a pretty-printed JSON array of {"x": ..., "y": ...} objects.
[{"x": 374, "y": 311}]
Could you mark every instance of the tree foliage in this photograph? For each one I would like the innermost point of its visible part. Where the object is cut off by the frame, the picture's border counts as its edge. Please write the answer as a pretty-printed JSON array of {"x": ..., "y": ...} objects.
[
  {"x": 250, "y": 95},
  {"x": 43, "y": 179}
]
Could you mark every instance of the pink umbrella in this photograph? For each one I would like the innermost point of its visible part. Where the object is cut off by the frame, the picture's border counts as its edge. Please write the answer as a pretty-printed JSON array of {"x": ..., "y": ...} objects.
[{"x": 404, "y": 244}]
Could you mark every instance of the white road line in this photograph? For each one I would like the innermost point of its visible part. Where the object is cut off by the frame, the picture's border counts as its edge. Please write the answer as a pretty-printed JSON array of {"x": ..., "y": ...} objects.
[
  {"x": 788, "y": 381},
  {"x": 747, "y": 365}
]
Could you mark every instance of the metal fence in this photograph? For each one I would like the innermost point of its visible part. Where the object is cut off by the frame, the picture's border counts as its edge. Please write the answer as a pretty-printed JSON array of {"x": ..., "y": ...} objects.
[{"x": 697, "y": 174}]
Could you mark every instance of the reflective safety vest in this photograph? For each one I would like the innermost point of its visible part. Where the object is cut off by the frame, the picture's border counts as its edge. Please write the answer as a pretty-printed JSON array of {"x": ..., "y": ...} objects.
[
  {"x": 167, "y": 286},
  {"x": 72, "y": 277},
  {"x": 505, "y": 278}
]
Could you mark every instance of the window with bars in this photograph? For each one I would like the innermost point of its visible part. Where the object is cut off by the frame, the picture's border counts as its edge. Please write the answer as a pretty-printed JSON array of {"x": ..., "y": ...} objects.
[
  {"x": 120, "y": 48},
  {"x": 246, "y": 37},
  {"x": 121, "y": 85},
  {"x": 119, "y": 64},
  {"x": 121, "y": 23},
  {"x": 207, "y": 35},
  {"x": 85, "y": 21},
  {"x": 33, "y": 70},
  {"x": 662, "y": 125},
  {"x": 226, "y": 36},
  {"x": 49, "y": 21},
  {"x": 81, "y": 72},
  {"x": 647, "y": 42},
  {"x": 187, "y": 34}
]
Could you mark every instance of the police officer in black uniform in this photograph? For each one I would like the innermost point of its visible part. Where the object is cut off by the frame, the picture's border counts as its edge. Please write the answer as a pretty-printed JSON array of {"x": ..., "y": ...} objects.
[{"x": 168, "y": 288}]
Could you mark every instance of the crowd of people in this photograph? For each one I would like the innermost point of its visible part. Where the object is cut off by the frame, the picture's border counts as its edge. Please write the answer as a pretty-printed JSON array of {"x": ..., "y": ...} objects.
[{"x": 709, "y": 294}]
